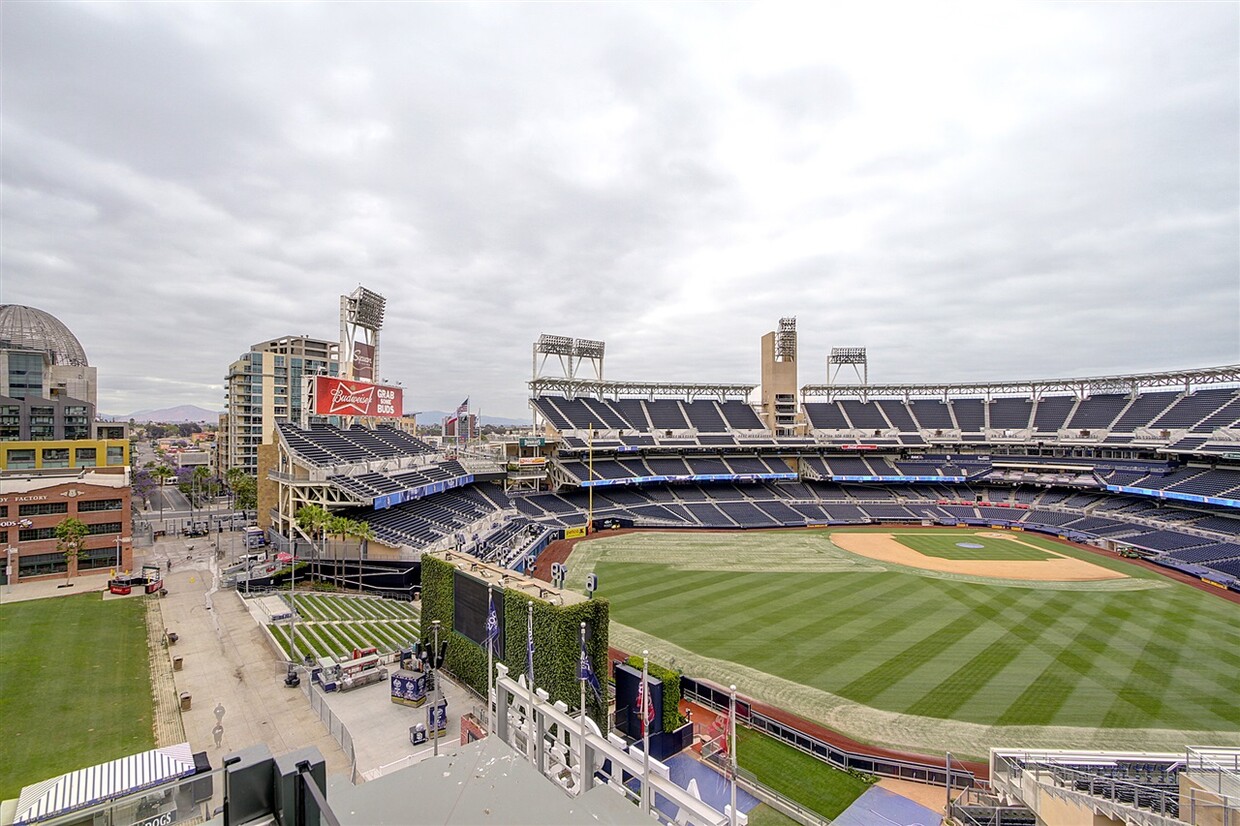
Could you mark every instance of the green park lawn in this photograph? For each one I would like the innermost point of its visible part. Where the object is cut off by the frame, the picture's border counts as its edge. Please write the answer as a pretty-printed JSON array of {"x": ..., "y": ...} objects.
[{"x": 75, "y": 686}]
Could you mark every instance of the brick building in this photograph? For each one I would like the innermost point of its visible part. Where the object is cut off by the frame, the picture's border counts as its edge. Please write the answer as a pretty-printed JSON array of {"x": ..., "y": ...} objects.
[{"x": 32, "y": 506}]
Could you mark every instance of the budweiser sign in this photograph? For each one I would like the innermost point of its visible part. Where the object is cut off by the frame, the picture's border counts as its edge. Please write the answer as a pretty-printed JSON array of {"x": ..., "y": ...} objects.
[{"x": 338, "y": 397}]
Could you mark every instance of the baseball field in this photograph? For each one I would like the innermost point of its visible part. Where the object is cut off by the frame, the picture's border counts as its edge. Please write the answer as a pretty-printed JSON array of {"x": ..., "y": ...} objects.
[{"x": 932, "y": 638}]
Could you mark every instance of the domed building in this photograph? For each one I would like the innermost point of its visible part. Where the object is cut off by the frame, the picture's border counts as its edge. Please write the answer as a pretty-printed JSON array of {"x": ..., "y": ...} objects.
[
  {"x": 41, "y": 358},
  {"x": 55, "y": 462},
  {"x": 34, "y": 329}
]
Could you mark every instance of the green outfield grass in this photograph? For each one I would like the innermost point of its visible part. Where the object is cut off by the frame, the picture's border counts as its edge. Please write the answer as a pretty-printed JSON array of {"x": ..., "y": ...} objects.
[
  {"x": 796, "y": 775},
  {"x": 1135, "y": 653},
  {"x": 946, "y": 545},
  {"x": 75, "y": 686}
]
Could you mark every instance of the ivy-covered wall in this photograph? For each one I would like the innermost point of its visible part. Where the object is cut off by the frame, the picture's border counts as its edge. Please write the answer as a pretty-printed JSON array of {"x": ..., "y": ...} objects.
[
  {"x": 671, "y": 691},
  {"x": 557, "y": 631}
]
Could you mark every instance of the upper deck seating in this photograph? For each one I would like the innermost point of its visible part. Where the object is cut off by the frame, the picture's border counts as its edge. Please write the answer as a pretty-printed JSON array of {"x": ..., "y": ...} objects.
[
  {"x": 1052, "y": 412},
  {"x": 1144, "y": 409},
  {"x": 1097, "y": 412},
  {"x": 665, "y": 414},
  {"x": 705, "y": 416},
  {"x": 866, "y": 415},
  {"x": 932, "y": 414},
  {"x": 1007, "y": 413},
  {"x": 1193, "y": 408},
  {"x": 897, "y": 413},
  {"x": 825, "y": 416},
  {"x": 970, "y": 414},
  {"x": 740, "y": 416}
]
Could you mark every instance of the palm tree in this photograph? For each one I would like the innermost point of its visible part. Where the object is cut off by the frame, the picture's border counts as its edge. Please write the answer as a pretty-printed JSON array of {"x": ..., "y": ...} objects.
[
  {"x": 364, "y": 533},
  {"x": 311, "y": 519},
  {"x": 338, "y": 526},
  {"x": 71, "y": 535}
]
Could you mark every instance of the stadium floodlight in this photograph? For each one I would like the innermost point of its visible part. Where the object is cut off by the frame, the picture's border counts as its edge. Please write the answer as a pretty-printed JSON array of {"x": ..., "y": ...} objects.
[
  {"x": 588, "y": 348},
  {"x": 554, "y": 345},
  {"x": 366, "y": 308},
  {"x": 841, "y": 356},
  {"x": 786, "y": 339},
  {"x": 848, "y": 355}
]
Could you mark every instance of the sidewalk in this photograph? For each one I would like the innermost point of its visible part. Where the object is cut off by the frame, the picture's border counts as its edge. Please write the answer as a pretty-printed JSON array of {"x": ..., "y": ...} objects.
[{"x": 228, "y": 664}]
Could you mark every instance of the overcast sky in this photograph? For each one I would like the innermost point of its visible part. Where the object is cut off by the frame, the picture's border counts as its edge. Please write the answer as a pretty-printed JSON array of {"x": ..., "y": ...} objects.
[{"x": 970, "y": 191}]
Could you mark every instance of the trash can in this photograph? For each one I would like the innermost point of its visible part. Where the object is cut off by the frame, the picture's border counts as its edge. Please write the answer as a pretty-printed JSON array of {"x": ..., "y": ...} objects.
[
  {"x": 177, "y": 663},
  {"x": 185, "y": 700}
]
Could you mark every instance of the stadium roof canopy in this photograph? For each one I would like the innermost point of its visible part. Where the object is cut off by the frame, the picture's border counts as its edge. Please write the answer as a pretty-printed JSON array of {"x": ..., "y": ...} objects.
[
  {"x": 1033, "y": 388},
  {"x": 573, "y": 388}
]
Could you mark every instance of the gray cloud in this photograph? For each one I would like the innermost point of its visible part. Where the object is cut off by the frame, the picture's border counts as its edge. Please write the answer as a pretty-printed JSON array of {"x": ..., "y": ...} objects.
[{"x": 1037, "y": 191}]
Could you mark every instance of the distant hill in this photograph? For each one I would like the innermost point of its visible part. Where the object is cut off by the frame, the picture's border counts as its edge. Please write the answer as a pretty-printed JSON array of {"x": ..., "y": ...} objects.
[{"x": 172, "y": 415}]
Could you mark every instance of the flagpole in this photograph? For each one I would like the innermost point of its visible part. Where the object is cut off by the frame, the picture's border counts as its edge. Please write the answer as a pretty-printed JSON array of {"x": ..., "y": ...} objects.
[
  {"x": 732, "y": 736},
  {"x": 529, "y": 656},
  {"x": 590, "y": 493},
  {"x": 646, "y": 738},
  {"x": 490, "y": 667},
  {"x": 581, "y": 781}
]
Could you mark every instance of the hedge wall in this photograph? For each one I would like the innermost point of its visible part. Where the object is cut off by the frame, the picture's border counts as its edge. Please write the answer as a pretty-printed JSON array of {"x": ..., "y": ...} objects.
[
  {"x": 557, "y": 632},
  {"x": 671, "y": 691}
]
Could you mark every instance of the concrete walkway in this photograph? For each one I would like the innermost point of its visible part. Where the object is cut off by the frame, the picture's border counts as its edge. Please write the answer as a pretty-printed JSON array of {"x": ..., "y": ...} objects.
[{"x": 227, "y": 663}]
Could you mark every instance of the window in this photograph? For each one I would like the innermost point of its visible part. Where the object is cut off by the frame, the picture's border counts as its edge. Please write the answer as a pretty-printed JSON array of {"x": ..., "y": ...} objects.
[
  {"x": 4, "y": 537},
  {"x": 4, "y": 510},
  {"x": 99, "y": 505},
  {"x": 42, "y": 423},
  {"x": 25, "y": 375},
  {"x": 116, "y": 455},
  {"x": 104, "y": 527},
  {"x": 43, "y": 509},
  {"x": 97, "y": 558},
  {"x": 84, "y": 457},
  {"x": 21, "y": 459},
  {"x": 10, "y": 423},
  {"x": 39, "y": 564},
  {"x": 55, "y": 457},
  {"x": 35, "y": 534}
]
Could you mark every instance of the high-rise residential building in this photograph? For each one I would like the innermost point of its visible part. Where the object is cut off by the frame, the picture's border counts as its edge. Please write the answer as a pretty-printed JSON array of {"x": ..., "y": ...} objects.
[{"x": 265, "y": 386}]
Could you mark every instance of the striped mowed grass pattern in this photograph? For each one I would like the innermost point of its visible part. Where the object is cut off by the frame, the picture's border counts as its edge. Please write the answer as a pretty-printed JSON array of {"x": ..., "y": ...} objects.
[
  {"x": 330, "y": 624},
  {"x": 1166, "y": 656},
  {"x": 949, "y": 545}
]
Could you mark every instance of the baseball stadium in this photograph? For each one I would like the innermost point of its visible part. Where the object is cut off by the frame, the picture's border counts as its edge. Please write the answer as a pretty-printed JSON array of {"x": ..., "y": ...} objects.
[{"x": 923, "y": 567}]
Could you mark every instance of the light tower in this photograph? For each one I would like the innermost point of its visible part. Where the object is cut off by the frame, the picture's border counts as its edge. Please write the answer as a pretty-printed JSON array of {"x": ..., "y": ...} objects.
[
  {"x": 361, "y": 318},
  {"x": 779, "y": 378}
]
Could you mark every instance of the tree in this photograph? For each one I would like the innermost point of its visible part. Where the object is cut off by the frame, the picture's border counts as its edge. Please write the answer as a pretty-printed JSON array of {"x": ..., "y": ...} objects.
[
  {"x": 244, "y": 489},
  {"x": 364, "y": 534},
  {"x": 312, "y": 519},
  {"x": 71, "y": 536},
  {"x": 338, "y": 526},
  {"x": 163, "y": 473},
  {"x": 143, "y": 484}
]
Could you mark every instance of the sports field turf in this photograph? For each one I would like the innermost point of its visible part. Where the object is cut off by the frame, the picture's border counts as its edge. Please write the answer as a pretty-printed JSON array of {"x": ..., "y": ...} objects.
[
  {"x": 949, "y": 546},
  {"x": 75, "y": 686},
  {"x": 1137, "y": 653},
  {"x": 336, "y": 624},
  {"x": 796, "y": 775}
]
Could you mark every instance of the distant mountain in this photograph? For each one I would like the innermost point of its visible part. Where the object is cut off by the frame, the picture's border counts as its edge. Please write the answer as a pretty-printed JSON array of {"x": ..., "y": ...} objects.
[
  {"x": 437, "y": 416},
  {"x": 173, "y": 415}
]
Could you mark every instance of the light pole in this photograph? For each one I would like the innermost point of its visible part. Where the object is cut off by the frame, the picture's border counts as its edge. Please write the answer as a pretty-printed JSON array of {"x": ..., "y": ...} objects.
[{"x": 438, "y": 693}]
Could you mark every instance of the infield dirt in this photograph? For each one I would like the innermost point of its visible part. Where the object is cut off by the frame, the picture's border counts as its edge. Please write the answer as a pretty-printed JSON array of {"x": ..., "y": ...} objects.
[{"x": 884, "y": 547}]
